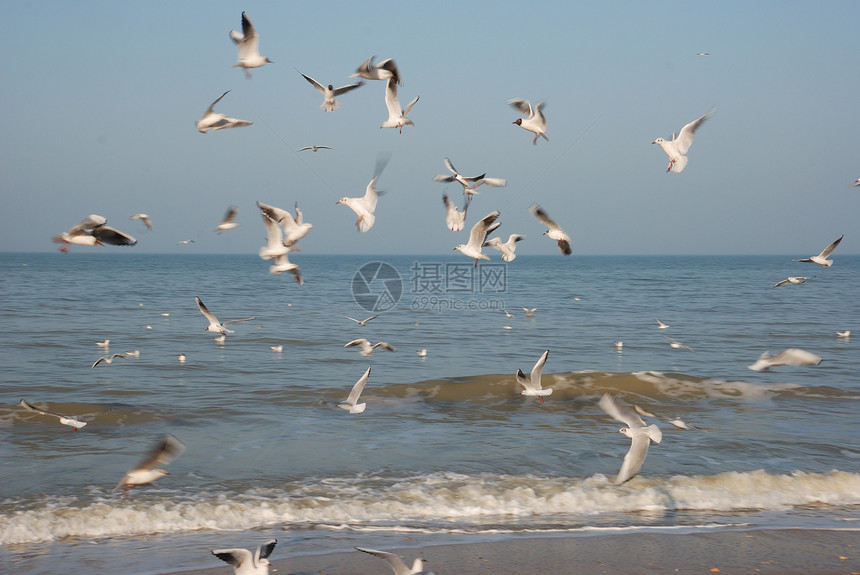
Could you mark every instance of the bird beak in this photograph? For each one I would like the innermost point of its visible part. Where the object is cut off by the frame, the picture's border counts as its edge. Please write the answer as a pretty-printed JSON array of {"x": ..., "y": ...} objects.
[{"x": 654, "y": 142}]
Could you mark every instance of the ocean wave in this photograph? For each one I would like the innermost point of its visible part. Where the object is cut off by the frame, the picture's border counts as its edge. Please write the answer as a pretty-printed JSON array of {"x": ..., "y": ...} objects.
[{"x": 423, "y": 503}]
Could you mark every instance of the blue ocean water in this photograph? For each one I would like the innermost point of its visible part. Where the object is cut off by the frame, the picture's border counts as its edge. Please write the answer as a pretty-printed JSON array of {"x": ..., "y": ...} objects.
[{"x": 447, "y": 450}]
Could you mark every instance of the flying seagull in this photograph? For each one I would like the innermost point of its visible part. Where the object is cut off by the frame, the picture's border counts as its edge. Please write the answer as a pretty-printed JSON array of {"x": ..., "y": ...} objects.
[
  {"x": 396, "y": 563},
  {"x": 454, "y": 218},
  {"x": 365, "y": 206},
  {"x": 294, "y": 228},
  {"x": 245, "y": 563},
  {"x": 162, "y": 453},
  {"x": 677, "y": 148},
  {"x": 791, "y": 356},
  {"x": 313, "y": 148},
  {"x": 661, "y": 325},
  {"x": 212, "y": 121},
  {"x": 367, "y": 348},
  {"x": 675, "y": 421},
  {"x": 248, "y": 43},
  {"x": 554, "y": 232},
  {"x": 361, "y": 322},
  {"x": 274, "y": 239},
  {"x": 478, "y": 235},
  {"x": 216, "y": 326},
  {"x": 330, "y": 92},
  {"x": 144, "y": 218},
  {"x": 821, "y": 259},
  {"x": 534, "y": 121},
  {"x": 506, "y": 248},
  {"x": 383, "y": 71},
  {"x": 92, "y": 231},
  {"x": 70, "y": 421},
  {"x": 397, "y": 117},
  {"x": 109, "y": 360},
  {"x": 677, "y": 344},
  {"x": 636, "y": 430},
  {"x": 531, "y": 384},
  {"x": 227, "y": 222},
  {"x": 351, "y": 404},
  {"x": 281, "y": 264},
  {"x": 469, "y": 183},
  {"x": 792, "y": 280}
]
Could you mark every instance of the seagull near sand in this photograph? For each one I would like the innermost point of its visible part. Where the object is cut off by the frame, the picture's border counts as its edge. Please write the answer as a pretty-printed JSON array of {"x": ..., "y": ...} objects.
[
  {"x": 469, "y": 183},
  {"x": 396, "y": 563},
  {"x": 227, "y": 222},
  {"x": 506, "y": 248},
  {"x": 351, "y": 404},
  {"x": 397, "y": 117},
  {"x": 362, "y": 322},
  {"x": 383, "y": 71},
  {"x": 791, "y": 356},
  {"x": 792, "y": 280},
  {"x": 365, "y": 206},
  {"x": 70, "y": 421},
  {"x": 329, "y": 92},
  {"x": 295, "y": 228},
  {"x": 248, "y": 43},
  {"x": 640, "y": 434},
  {"x": 162, "y": 453},
  {"x": 93, "y": 232},
  {"x": 531, "y": 384},
  {"x": 144, "y": 218},
  {"x": 821, "y": 259},
  {"x": 246, "y": 563},
  {"x": 367, "y": 348},
  {"x": 534, "y": 121},
  {"x": 554, "y": 232},
  {"x": 676, "y": 148},
  {"x": 216, "y": 326},
  {"x": 478, "y": 235},
  {"x": 212, "y": 121},
  {"x": 313, "y": 148},
  {"x": 109, "y": 360},
  {"x": 454, "y": 218}
]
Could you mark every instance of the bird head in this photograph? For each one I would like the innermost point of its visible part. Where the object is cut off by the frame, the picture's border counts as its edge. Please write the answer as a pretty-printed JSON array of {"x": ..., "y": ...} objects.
[
  {"x": 518, "y": 122},
  {"x": 626, "y": 431}
]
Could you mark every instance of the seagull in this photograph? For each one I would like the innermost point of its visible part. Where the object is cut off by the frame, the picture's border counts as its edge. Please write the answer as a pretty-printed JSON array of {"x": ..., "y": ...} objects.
[
  {"x": 281, "y": 264},
  {"x": 227, "y": 222},
  {"x": 534, "y": 121},
  {"x": 182, "y": 357},
  {"x": 185, "y": 242},
  {"x": 396, "y": 563},
  {"x": 454, "y": 218},
  {"x": 845, "y": 334},
  {"x": 469, "y": 183},
  {"x": 70, "y": 421},
  {"x": 507, "y": 313},
  {"x": 314, "y": 148},
  {"x": 162, "y": 453},
  {"x": 382, "y": 71},
  {"x": 619, "y": 345},
  {"x": 821, "y": 259},
  {"x": 144, "y": 218},
  {"x": 636, "y": 430},
  {"x": 677, "y": 344},
  {"x": 248, "y": 43},
  {"x": 791, "y": 356},
  {"x": 361, "y": 322},
  {"x": 329, "y": 92},
  {"x": 554, "y": 232},
  {"x": 277, "y": 348},
  {"x": 105, "y": 343},
  {"x": 857, "y": 182},
  {"x": 135, "y": 353},
  {"x": 274, "y": 239},
  {"x": 675, "y": 421},
  {"x": 366, "y": 205},
  {"x": 530, "y": 312},
  {"x": 702, "y": 54},
  {"x": 531, "y": 384},
  {"x": 477, "y": 237},
  {"x": 216, "y": 326},
  {"x": 397, "y": 118},
  {"x": 676, "y": 148},
  {"x": 506, "y": 248},
  {"x": 792, "y": 280},
  {"x": 422, "y": 352},
  {"x": 244, "y": 563},
  {"x": 93, "y": 232},
  {"x": 661, "y": 325},
  {"x": 109, "y": 360},
  {"x": 212, "y": 121},
  {"x": 367, "y": 348},
  {"x": 351, "y": 404},
  {"x": 294, "y": 228}
]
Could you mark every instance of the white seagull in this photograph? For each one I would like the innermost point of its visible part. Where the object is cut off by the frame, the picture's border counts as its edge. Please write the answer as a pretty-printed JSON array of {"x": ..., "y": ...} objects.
[
  {"x": 661, "y": 325},
  {"x": 530, "y": 312},
  {"x": 274, "y": 239},
  {"x": 93, "y": 232},
  {"x": 534, "y": 121},
  {"x": 105, "y": 343},
  {"x": 531, "y": 384},
  {"x": 212, "y": 121},
  {"x": 506, "y": 248},
  {"x": 396, "y": 563},
  {"x": 636, "y": 430},
  {"x": 554, "y": 232},
  {"x": 281, "y": 264},
  {"x": 382, "y": 71},
  {"x": 478, "y": 235},
  {"x": 469, "y": 183},
  {"x": 361, "y": 322},
  {"x": 791, "y": 356},
  {"x": 216, "y": 326},
  {"x": 227, "y": 222},
  {"x": 248, "y": 43},
  {"x": 366, "y": 205},
  {"x": 821, "y": 259},
  {"x": 454, "y": 218},
  {"x": 677, "y": 344},
  {"x": 70, "y": 421},
  {"x": 397, "y": 117},
  {"x": 792, "y": 280},
  {"x": 245, "y": 563},
  {"x": 109, "y": 360},
  {"x": 314, "y": 148},
  {"x": 295, "y": 228},
  {"x": 844, "y": 334},
  {"x": 329, "y": 92},
  {"x": 144, "y": 218},
  {"x": 676, "y": 148},
  {"x": 351, "y": 404},
  {"x": 367, "y": 348},
  {"x": 162, "y": 453}
]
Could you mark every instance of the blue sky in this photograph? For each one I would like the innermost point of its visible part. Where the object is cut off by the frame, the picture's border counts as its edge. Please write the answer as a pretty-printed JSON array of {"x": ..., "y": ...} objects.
[{"x": 100, "y": 100}]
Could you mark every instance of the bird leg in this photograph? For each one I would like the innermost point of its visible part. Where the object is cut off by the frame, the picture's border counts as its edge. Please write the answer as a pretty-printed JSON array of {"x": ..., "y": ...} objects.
[
  {"x": 247, "y": 73},
  {"x": 535, "y": 140},
  {"x": 539, "y": 397},
  {"x": 671, "y": 163}
]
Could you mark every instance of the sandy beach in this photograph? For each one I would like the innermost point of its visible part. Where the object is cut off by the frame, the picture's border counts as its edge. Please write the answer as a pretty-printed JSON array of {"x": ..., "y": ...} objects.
[{"x": 781, "y": 552}]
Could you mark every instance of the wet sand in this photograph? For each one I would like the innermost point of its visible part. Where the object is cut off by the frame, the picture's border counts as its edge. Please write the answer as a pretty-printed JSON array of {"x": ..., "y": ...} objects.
[{"x": 778, "y": 552}]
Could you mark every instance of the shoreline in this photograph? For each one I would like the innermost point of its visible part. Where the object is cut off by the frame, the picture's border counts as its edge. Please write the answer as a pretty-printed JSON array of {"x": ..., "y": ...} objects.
[{"x": 766, "y": 552}]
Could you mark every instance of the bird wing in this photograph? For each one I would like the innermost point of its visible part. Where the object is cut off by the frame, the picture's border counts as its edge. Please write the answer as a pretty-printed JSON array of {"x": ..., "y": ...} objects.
[
  {"x": 543, "y": 217},
  {"x": 360, "y": 341},
  {"x": 88, "y": 224},
  {"x": 384, "y": 345},
  {"x": 358, "y": 388},
  {"x": 523, "y": 106},
  {"x": 538, "y": 369},
  {"x": 266, "y": 548},
  {"x": 314, "y": 83},
  {"x": 230, "y": 214},
  {"x": 409, "y": 106},
  {"x": 281, "y": 216},
  {"x": 250, "y": 43},
  {"x": 232, "y": 321},
  {"x": 484, "y": 226},
  {"x": 829, "y": 249},
  {"x": 163, "y": 452},
  {"x": 274, "y": 234},
  {"x": 206, "y": 313},
  {"x": 688, "y": 132},
  {"x": 391, "y": 101},
  {"x": 31, "y": 407},
  {"x": 494, "y": 182},
  {"x": 783, "y": 282},
  {"x": 617, "y": 410},
  {"x": 389, "y": 65},
  {"x": 109, "y": 235},
  {"x": 210, "y": 109},
  {"x": 451, "y": 167},
  {"x": 347, "y": 88},
  {"x": 371, "y": 194},
  {"x": 634, "y": 458},
  {"x": 794, "y": 356},
  {"x": 395, "y": 562},
  {"x": 235, "y": 557}
]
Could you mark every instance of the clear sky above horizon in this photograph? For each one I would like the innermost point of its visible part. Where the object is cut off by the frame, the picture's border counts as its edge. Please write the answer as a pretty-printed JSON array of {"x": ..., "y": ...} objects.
[{"x": 100, "y": 101}]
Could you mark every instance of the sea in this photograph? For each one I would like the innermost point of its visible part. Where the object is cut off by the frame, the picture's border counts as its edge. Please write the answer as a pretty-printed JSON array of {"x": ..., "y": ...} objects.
[{"x": 447, "y": 449}]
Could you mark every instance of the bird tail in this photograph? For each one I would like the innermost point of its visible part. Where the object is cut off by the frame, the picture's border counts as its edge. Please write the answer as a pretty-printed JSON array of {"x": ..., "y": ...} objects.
[{"x": 680, "y": 164}]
